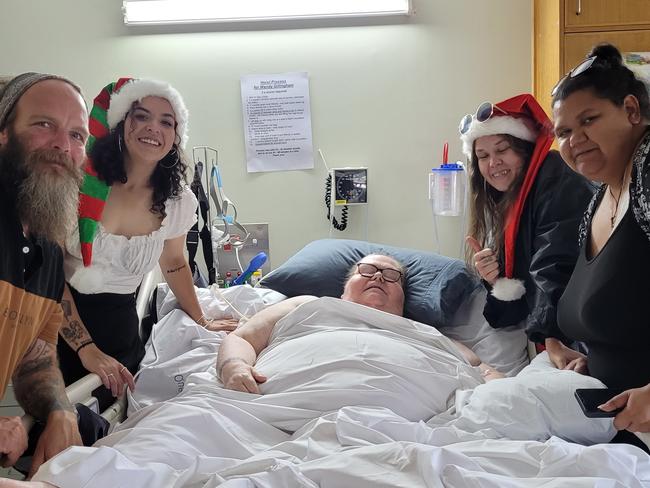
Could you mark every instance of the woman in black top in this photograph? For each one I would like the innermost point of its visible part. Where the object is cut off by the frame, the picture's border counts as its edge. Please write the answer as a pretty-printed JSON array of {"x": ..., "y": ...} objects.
[{"x": 601, "y": 114}]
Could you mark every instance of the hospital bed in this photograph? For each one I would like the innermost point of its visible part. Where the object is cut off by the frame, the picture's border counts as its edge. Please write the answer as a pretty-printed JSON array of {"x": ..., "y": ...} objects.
[
  {"x": 506, "y": 349},
  {"x": 504, "y": 433}
]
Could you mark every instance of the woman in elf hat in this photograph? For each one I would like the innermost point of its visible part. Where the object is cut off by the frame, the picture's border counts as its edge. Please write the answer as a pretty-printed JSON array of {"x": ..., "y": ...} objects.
[
  {"x": 601, "y": 115},
  {"x": 526, "y": 205},
  {"x": 134, "y": 213}
]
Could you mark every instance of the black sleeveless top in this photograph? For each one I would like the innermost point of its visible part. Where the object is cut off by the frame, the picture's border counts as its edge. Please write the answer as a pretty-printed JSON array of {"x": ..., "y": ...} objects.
[{"x": 607, "y": 306}]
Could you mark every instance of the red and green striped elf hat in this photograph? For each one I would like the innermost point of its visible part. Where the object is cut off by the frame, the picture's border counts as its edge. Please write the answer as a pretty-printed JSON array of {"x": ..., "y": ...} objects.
[
  {"x": 94, "y": 192},
  {"x": 110, "y": 107}
]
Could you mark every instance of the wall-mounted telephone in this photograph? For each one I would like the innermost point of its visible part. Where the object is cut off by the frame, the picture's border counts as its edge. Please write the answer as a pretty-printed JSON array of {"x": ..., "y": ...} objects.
[{"x": 350, "y": 187}]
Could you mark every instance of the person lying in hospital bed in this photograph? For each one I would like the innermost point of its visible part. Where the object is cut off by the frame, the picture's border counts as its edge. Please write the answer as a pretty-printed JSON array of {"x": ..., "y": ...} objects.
[
  {"x": 331, "y": 365},
  {"x": 375, "y": 281}
]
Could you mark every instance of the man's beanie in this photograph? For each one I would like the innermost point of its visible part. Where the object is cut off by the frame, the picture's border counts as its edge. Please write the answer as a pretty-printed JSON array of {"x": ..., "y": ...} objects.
[{"x": 12, "y": 90}]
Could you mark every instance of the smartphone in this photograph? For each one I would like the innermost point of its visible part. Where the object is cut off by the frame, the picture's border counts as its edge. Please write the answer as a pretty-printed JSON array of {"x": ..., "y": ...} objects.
[{"x": 590, "y": 398}]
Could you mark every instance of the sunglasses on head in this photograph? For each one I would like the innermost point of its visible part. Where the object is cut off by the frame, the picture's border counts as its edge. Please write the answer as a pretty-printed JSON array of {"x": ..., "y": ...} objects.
[
  {"x": 483, "y": 113},
  {"x": 578, "y": 70}
]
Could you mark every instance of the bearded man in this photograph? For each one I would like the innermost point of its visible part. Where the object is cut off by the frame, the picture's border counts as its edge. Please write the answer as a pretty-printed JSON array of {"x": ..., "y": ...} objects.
[{"x": 43, "y": 131}]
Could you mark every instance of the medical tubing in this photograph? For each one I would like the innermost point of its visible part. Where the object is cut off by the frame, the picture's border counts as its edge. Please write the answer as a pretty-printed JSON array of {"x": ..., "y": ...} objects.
[
  {"x": 328, "y": 202},
  {"x": 241, "y": 268},
  {"x": 221, "y": 295},
  {"x": 216, "y": 169}
]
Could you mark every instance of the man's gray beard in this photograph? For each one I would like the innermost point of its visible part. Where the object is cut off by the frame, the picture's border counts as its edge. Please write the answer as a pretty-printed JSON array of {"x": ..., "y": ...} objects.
[{"x": 48, "y": 200}]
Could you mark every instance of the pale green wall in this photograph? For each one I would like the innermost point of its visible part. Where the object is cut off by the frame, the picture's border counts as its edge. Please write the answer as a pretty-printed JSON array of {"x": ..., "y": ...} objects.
[{"x": 385, "y": 96}]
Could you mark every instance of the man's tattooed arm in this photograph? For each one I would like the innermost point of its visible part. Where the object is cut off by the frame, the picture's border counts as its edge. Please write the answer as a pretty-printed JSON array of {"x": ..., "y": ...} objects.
[
  {"x": 38, "y": 384},
  {"x": 72, "y": 330}
]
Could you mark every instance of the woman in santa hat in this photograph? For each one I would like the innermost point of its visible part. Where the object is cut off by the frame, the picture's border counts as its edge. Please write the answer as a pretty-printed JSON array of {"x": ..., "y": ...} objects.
[
  {"x": 134, "y": 214},
  {"x": 525, "y": 208}
]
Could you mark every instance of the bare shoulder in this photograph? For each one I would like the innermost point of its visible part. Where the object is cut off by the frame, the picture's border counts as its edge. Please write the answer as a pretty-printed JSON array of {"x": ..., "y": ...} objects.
[{"x": 282, "y": 308}]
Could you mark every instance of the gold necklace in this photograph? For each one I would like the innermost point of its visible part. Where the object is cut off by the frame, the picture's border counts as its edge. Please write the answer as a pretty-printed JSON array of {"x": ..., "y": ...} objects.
[{"x": 612, "y": 219}]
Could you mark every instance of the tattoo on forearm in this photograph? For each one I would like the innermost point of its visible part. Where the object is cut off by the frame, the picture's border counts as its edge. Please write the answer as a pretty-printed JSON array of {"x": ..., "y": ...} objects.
[
  {"x": 38, "y": 384},
  {"x": 67, "y": 308},
  {"x": 72, "y": 330},
  {"x": 173, "y": 270}
]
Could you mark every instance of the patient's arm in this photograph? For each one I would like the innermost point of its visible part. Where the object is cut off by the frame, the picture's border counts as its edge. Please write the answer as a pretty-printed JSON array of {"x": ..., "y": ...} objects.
[
  {"x": 467, "y": 353},
  {"x": 487, "y": 371},
  {"x": 239, "y": 350}
]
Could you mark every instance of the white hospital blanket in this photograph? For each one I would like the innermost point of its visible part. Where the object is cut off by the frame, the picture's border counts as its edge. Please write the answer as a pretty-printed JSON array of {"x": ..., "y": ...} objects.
[
  {"x": 329, "y": 353},
  {"x": 207, "y": 436}
]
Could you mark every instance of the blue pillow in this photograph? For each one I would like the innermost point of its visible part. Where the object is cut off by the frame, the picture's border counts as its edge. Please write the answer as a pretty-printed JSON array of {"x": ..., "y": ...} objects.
[{"x": 435, "y": 285}]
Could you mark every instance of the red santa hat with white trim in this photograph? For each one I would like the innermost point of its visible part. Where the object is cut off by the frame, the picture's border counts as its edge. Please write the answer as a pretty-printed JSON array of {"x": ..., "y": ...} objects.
[{"x": 502, "y": 120}]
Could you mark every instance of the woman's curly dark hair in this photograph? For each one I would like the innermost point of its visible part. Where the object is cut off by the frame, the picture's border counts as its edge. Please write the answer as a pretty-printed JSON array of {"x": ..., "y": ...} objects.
[{"x": 167, "y": 180}]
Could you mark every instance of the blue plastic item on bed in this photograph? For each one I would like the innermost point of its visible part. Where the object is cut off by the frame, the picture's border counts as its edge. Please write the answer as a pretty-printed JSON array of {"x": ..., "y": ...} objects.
[
  {"x": 256, "y": 263},
  {"x": 435, "y": 286}
]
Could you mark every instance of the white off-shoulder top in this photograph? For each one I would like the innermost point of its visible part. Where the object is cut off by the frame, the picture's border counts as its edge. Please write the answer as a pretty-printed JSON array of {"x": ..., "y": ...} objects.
[{"x": 119, "y": 263}]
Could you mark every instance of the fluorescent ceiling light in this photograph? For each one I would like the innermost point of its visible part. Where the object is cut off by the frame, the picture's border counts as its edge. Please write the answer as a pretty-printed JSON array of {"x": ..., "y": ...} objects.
[{"x": 198, "y": 11}]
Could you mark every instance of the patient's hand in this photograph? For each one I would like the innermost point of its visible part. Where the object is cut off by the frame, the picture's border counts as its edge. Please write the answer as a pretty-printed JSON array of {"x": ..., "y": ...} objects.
[
  {"x": 564, "y": 357},
  {"x": 489, "y": 373},
  {"x": 238, "y": 375}
]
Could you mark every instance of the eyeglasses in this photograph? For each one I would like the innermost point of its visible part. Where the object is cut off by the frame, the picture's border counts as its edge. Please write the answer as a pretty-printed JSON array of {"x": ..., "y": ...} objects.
[
  {"x": 483, "y": 112},
  {"x": 578, "y": 70},
  {"x": 368, "y": 270}
]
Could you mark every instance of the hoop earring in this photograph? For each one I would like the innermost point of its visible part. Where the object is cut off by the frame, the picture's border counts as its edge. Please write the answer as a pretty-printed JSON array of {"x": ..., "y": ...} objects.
[{"x": 171, "y": 153}]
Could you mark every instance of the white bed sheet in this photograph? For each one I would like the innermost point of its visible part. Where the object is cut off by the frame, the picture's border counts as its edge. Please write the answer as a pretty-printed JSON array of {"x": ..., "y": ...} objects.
[{"x": 207, "y": 436}]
